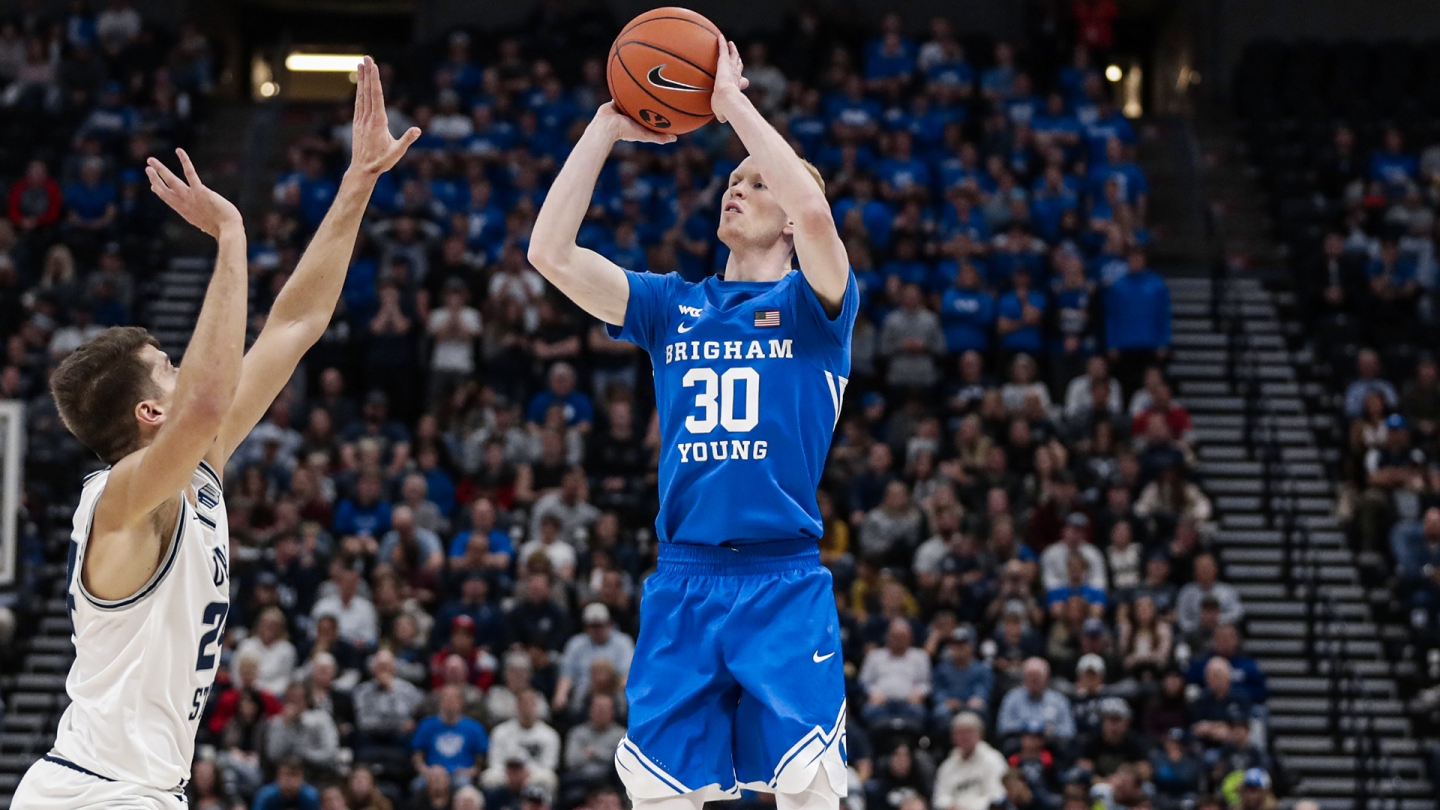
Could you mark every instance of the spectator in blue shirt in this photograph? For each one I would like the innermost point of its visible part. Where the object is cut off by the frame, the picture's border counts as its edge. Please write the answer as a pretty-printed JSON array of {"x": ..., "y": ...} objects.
[
  {"x": 625, "y": 249},
  {"x": 289, "y": 791},
  {"x": 1022, "y": 105},
  {"x": 1074, "y": 76},
  {"x": 366, "y": 514},
  {"x": 1108, "y": 123},
  {"x": 1050, "y": 201},
  {"x": 960, "y": 682},
  {"x": 806, "y": 125},
  {"x": 1367, "y": 367},
  {"x": 1032, "y": 702},
  {"x": 1020, "y": 315},
  {"x": 317, "y": 191},
  {"x": 578, "y": 411},
  {"x": 853, "y": 117},
  {"x": 997, "y": 83},
  {"x": 874, "y": 218},
  {"x": 967, "y": 313},
  {"x": 1134, "y": 189},
  {"x": 1056, "y": 125},
  {"x": 1391, "y": 166},
  {"x": 1393, "y": 281},
  {"x": 1137, "y": 321},
  {"x": 1246, "y": 677},
  {"x": 889, "y": 60},
  {"x": 464, "y": 76},
  {"x": 901, "y": 172},
  {"x": 91, "y": 199},
  {"x": 450, "y": 739},
  {"x": 908, "y": 267}
]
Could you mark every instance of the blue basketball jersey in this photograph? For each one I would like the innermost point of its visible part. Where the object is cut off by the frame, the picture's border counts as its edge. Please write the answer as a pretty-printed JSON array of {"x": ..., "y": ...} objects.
[{"x": 749, "y": 379}]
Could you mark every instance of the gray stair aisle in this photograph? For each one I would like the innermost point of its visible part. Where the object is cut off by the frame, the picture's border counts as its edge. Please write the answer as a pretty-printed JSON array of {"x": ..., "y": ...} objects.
[
  {"x": 35, "y": 697},
  {"x": 1336, "y": 718},
  {"x": 172, "y": 313}
]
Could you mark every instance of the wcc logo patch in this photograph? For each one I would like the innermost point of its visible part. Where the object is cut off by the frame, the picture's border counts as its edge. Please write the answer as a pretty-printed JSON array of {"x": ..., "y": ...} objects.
[{"x": 208, "y": 496}]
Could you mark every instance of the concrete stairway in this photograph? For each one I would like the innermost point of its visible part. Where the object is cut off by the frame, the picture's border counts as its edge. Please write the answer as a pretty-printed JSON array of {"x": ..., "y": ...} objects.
[
  {"x": 35, "y": 696},
  {"x": 1337, "y": 720},
  {"x": 179, "y": 290}
]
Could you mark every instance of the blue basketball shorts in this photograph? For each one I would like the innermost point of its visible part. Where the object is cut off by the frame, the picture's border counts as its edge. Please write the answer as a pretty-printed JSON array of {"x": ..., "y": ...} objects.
[{"x": 738, "y": 680}]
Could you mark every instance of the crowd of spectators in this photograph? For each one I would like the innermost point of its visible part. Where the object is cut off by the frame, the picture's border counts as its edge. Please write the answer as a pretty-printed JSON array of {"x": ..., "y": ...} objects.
[
  {"x": 87, "y": 97},
  {"x": 441, "y": 528}
]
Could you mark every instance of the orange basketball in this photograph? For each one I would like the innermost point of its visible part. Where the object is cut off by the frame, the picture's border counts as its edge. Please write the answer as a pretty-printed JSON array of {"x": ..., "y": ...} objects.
[{"x": 662, "y": 69}]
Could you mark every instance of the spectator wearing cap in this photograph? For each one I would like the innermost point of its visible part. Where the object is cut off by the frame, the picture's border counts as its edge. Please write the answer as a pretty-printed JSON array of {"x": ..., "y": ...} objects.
[
  {"x": 491, "y": 633},
  {"x": 525, "y": 737},
  {"x": 1034, "y": 700},
  {"x": 479, "y": 662},
  {"x": 1037, "y": 763},
  {"x": 1253, "y": 792},
  {"x": 1104, "y": 749},
  {"x": 1245, "y": 672},
  {"x": 354, "y": 613},
  {"x": 451, "y": 740},
  {"x": 962, "y": 681},
  {"x": 1394, "y": 477},
  {"x": 599, "y": 639},
  {"x": 1236, "y": 755},
  {"x": 1176, "y": 772},
  {"x": 1074, "y": 539},
  {"x": 1217, "y": 704},
  {"x": 970, "y": 777},
  {"x": 1089, "y": 691},
  {"x": 896, "y": 678},
  {"x": 1206, "y": 585}
]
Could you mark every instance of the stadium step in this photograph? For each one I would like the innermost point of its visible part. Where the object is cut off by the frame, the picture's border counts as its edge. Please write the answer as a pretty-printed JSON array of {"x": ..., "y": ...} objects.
[{"x": 1324, "y": 655}]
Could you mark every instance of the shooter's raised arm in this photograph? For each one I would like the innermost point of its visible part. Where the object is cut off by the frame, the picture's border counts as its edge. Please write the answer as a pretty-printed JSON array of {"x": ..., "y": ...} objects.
[{"x": 817, "y": 242}]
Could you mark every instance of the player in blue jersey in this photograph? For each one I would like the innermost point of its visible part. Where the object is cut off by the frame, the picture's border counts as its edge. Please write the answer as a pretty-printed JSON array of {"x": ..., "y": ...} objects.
[{"x": 737, "y": 682}]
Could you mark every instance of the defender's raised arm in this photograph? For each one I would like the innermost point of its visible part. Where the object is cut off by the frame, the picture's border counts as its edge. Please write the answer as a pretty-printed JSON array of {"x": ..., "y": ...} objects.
[
  {"x": 305, "y": 304},
  {"x": 205, "y": 384},
  {"x": 586, "y": 277}
]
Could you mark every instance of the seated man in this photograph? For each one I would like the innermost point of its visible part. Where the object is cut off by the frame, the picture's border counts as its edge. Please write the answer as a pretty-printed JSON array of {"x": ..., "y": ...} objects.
[
  {"x": 1219, "y": 703},
  {"x": 1034, "y": 701},
  {"x": 962, "y": 682},
  {"x": 896, "y": 678},
  {"x": 450, "y": 740}
]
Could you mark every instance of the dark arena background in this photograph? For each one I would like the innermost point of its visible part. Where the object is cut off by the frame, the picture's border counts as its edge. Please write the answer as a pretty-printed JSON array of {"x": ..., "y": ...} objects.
[{"x": 1138, "y": 458}]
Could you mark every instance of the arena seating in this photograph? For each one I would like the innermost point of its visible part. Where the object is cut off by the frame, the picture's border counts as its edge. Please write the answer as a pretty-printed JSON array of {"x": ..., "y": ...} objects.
[{"x": 449, "y": 511}]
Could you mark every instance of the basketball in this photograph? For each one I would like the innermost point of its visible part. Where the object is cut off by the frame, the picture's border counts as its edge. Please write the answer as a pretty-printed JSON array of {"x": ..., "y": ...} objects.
[{"x": 661, "y": 70}]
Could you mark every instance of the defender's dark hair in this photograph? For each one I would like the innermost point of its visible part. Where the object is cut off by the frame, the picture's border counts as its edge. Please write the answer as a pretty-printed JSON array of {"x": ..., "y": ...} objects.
[{"x": 98, "y": 386}]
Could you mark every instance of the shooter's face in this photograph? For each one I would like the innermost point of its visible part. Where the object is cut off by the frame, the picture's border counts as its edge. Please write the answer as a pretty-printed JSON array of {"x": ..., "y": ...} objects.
[{"x": 749, "y": 214}]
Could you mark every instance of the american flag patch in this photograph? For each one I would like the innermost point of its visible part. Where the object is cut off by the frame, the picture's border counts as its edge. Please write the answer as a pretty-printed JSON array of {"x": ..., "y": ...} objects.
[{"x": 767, "y": 317}]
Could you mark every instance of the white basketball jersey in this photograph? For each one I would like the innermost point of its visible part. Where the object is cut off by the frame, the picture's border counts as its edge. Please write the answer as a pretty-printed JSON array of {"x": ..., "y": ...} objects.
[{"x": 144, "y": 665}]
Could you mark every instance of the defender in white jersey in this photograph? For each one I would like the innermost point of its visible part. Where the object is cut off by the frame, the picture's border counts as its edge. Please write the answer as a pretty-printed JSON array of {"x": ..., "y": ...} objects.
[{"x": 148, "y": 579}]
